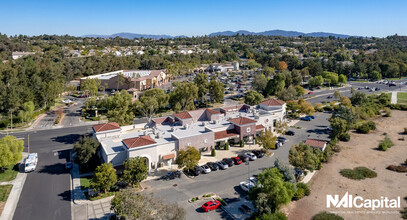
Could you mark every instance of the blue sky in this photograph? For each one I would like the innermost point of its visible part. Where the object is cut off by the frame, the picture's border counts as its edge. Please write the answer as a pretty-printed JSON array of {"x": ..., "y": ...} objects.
[{"x": 80, "y": 17}]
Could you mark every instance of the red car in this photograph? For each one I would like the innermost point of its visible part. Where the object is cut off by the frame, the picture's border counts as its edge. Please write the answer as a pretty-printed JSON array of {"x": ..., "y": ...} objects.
[
  {"x": 210, "y": 205},
  {"x": 311, "y": 93},
  {"x": 237, "y": 160}
]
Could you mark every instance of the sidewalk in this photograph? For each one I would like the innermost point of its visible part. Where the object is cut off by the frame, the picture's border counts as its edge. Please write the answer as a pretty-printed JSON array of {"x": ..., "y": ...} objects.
[
  {"x": 78, "y": 196},
  {"x": 14, "y": 196},
  {"x": 393, "y": 97}
]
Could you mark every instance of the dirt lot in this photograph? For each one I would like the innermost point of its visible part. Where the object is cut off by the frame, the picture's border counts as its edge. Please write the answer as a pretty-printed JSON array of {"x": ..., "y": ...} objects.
[{"x": 360, "y": 151}]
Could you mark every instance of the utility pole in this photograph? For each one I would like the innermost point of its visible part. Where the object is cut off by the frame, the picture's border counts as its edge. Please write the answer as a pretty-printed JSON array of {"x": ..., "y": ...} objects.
[
  {"x": 28, "y": 143},
  {"x": 248, "y": 170},
  {"x": 11, "y": 116}
]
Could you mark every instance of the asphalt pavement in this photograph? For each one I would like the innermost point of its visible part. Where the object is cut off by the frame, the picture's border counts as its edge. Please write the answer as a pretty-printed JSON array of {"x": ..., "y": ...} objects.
[{"x": 46, "y": 192}]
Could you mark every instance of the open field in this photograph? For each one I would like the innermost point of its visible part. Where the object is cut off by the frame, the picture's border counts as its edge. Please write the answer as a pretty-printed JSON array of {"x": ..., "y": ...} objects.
[
  {"x": 402, "y": 97},
  {"x": 361, "y": 150}
]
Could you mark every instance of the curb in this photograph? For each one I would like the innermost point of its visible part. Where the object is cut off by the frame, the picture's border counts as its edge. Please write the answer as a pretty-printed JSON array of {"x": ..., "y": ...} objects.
[{"x": 13, "y": 198}]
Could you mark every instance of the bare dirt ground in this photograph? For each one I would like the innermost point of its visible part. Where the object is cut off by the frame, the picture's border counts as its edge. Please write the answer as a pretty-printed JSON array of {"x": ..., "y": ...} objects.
[{"x": 360, "y": 151}]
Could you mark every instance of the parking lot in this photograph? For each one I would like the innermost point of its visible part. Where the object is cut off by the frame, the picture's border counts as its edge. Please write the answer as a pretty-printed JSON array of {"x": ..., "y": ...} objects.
[{"x": 225, "y": 183}]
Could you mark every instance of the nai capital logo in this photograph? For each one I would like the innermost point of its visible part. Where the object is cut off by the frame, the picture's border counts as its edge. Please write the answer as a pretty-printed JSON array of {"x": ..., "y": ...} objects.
[{"x": 348, "y": 201}]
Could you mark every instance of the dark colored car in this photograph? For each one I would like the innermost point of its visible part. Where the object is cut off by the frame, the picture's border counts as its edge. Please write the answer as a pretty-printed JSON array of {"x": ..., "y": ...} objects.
[
  {"x": 196, "y": 171},
  {"x": 305, "y": 119},
  {"x": 330, "y": 97},
  {"x": 237, "y": 160},
  {"x": 282, "y": 139},
  {"x": 243, "y": 157},
  {"x": 213, "y": 166},
  {"x": 258, "y": 153},
  {"x": 392, "y": 84},
  {"x": 291, "y": 133},
  {"x": 229, "y": 162},
  {"x": 311, "y": 116},
  {"x": 247, "y": 208}
]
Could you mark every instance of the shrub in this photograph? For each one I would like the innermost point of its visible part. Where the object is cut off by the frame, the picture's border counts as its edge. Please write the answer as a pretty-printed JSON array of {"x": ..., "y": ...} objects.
[
  {"x": 242, "y": 143},
  {"x": 404, "y": 213},
  {"x": 400, "y": 169},
  {"x": 387, "y": 112},
  {"x": 344, "y": 137},
  {"x": 304, "y": 186},
  {"x": 213, "y": 153},
  {"x": 221, "y": 201},
  {"x": 328, "y": 108},
  {"x": 371, "y": 125},
  {"x": 386, "y": 143},
  {"x": 227, "y": 146},
  {"x": 358, "y": 173},
  {"x": 326, "y": 216},
  {"x": 302, "y": 190},
  {"x": 363, "y": 128}
]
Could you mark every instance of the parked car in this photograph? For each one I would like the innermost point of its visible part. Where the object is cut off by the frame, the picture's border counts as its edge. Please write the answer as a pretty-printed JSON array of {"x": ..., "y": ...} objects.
[
  {"x": 305, "y": 119},
  {"x": 210, "y": 205},
  {"x": 237, "y": 160},
  {"x": 258, "y": 153},
  {"x": 246, "y": 186},
  {"x": 247, "y": 208},
  {"x": 228, "y": 161},
  {"x": 311, "y": 92},
  {"x": 392, "y": 84},
  {"x": 242, "y": 210},
  {"x": 196, "y": 171},
  {"x": 244, "y": 157},
  {"x": 213, "y": 166},
  {"x": 311, "y": 116},
  {"x": 251, "y": 156},
  {"x": 291, "y": 133},
  {"x": 330, "y": 97},
  {"x": 329, "y": 129},
  {"x": 253, "y": 180},
  {"x": 278, "y": 144},
  {"x": 282, "y": 139},
  {"x": 222, "y": 165},
  {"x": 206, "y": 169}
]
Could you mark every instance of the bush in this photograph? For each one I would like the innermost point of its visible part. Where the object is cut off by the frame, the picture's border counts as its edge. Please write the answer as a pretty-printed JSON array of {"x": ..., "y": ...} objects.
[
  {"x": 299, "y": 194},
  {"x": 371, "y": 125},
  {"x": 358, "y": 173},
  {"x": 387, "y": 112},
  {"x": 328, "y": 108},
  {"x": 344, "y": 137},
  {"x": 221, "y": 201},
  {"x": 399, "y": 169},
  {"x": 404, "y": 213},
  {"x": 213, "y": 153},
  {"x": 386, "y": 143},
  {"x": 302, "y": 190},
  {"x": 227, "y": 146},
  {"x": 326, "y": 216},
  {"x": 242, "y": 143},
  {"x": 363, "y": 128},
  {"x": 304, "y": 186}
]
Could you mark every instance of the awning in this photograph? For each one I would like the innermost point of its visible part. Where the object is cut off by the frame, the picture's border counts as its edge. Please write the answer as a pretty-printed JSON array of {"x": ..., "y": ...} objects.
[
  {"x": 169, "y": 156},
  {"x": 259, "y": 127}
]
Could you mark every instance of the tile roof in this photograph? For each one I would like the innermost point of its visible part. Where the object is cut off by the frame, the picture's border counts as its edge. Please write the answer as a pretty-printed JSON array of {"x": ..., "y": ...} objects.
[
  {"x": 106, "y": 127},
  {"x": 242, "y": 121},
  {"x": 168, "y": 156},
  {"x": 160, "y": 120},
  {"x": 183, "y": 115},
  {"x": 258, "y": 127},
  {"x": 212, "y": 112},
  {"x": 139, "y": 141},
  {"x": 226, "y": 133},
  {"x": 272, "y": 102},
  {"x": 315, "y": 143}
]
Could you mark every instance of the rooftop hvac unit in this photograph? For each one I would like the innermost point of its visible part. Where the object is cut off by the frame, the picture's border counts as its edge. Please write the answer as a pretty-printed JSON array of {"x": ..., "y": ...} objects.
[
  {"x": 145, "y": 133},
  {"x": 203, "y": 123}
]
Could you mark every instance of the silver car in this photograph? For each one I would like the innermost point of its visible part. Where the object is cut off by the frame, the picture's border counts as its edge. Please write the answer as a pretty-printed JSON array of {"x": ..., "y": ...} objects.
[
  {"x": 206, "y": 168},
  {"x": 222, "y": 165}
]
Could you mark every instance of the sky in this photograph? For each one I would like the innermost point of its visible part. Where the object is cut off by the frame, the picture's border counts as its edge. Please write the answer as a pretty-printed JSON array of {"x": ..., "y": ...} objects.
[{"x": 195, "y": 18}]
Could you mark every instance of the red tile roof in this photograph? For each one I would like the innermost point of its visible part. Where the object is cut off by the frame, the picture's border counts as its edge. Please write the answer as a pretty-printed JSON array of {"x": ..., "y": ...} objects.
[
  {"x": 224, "y": 134},
  {"x": 212, "y": 112},
  {"x": 139, "y": 141},
  {"x": 316, "y": 143},
  {"x": 169, "y": 156},
  {"x": 183, "y": 115},
  {"x": 259, "y": 127},
  {"x": 242, "y": 121},
  {"x": 160, "y": 120},
  {"x": 272, "y": 102},
  {"x": 106, "y": 127}
]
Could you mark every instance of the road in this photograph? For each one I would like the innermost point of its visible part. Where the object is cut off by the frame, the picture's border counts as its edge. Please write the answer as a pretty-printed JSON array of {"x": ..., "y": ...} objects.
[
  {"x": 46, "y": 192},
  {"x": 225, "y": 182}
]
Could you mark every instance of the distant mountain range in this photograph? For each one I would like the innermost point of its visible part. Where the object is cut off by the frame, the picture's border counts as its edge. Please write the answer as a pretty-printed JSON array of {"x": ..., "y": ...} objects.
[{"x": 226, "y": 33}]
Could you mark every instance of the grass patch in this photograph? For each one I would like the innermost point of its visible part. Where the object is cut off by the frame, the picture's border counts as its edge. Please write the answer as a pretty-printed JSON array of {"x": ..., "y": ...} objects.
[
  {"x": 100, "y": 196},
  {"x": 326, "y": 216},
  {"x": 85, "y": 182},
  {"x": 9, "y": 173},
  {"x": 4, "y": 192},
  {"x": 358, "y": 173},
  {"x": 221, "y": 201},
  {"x": 402, "y": 98}
]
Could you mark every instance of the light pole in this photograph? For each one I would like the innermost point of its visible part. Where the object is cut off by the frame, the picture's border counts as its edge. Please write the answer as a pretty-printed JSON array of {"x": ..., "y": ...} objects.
[{"x": 248, "y": 170}]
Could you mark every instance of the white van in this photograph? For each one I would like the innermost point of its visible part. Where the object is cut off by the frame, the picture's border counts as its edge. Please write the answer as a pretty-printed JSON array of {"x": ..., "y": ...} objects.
[{"x": 30, "y": 162}]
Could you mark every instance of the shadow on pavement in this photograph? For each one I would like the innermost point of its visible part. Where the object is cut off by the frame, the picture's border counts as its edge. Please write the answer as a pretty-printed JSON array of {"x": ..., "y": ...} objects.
[
  {"x": 54, "y": 169},
  {"x": 67, "y": 139},
  {"x": 65, "y": 195}
]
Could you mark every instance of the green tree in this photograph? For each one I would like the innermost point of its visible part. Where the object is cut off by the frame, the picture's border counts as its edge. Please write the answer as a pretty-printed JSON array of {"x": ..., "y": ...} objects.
[
  {"x": 216, "y": 91},
  {"x": 85, "y": 149},
  {"x": 305, "y": 157},
  {"x": 201, "y": 81},
  {"x": 253, "y": 98},
  {"x": 285, "y": 169},
  {"x": 267, "y": 140},
  {"x": 271, "y": 191},
  {"x": 287, "y": 94},
  {"x": 339, "y": 127},
  {"x": 375, "y": 75},
  {"x": 150, "y": 102},
  {"x": 342, "y": 79},
  {"x": 183, "y": 96},
  {"x": 358, "y": 98},
  {"x": 272, "y": 216},
  {"x": 188, "y": 158},
  {"x": 337, "y": 95},
  {"x": 90, "y": 86},
  {"x": 131, "y": 205},
  {"x": 259, "y": 82},
  {"x": 104, "y": 178},
  {"x": 135, "y": 170},
  {"x": 300, "y": 90},
  {"x": 11, "y": 150},
  {"x": 316, "y": 81},
  {"x": 252, "y": 64},
  {"x": 26, "y": 114},
  {"x": 120, "y": 108}
]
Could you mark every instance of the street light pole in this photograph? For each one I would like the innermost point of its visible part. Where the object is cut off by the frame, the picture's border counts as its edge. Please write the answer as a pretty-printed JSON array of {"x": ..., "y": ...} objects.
[{"x": 248, "y": 170}]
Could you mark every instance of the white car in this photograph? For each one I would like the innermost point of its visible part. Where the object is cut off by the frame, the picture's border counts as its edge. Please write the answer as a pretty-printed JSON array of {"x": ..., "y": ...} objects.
[
  {"x": 206, "y": 168},
  {"x": 253, "y": 180},
  {"x": 251, "y": 156},
  {"x": 246, "y": 186}
]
